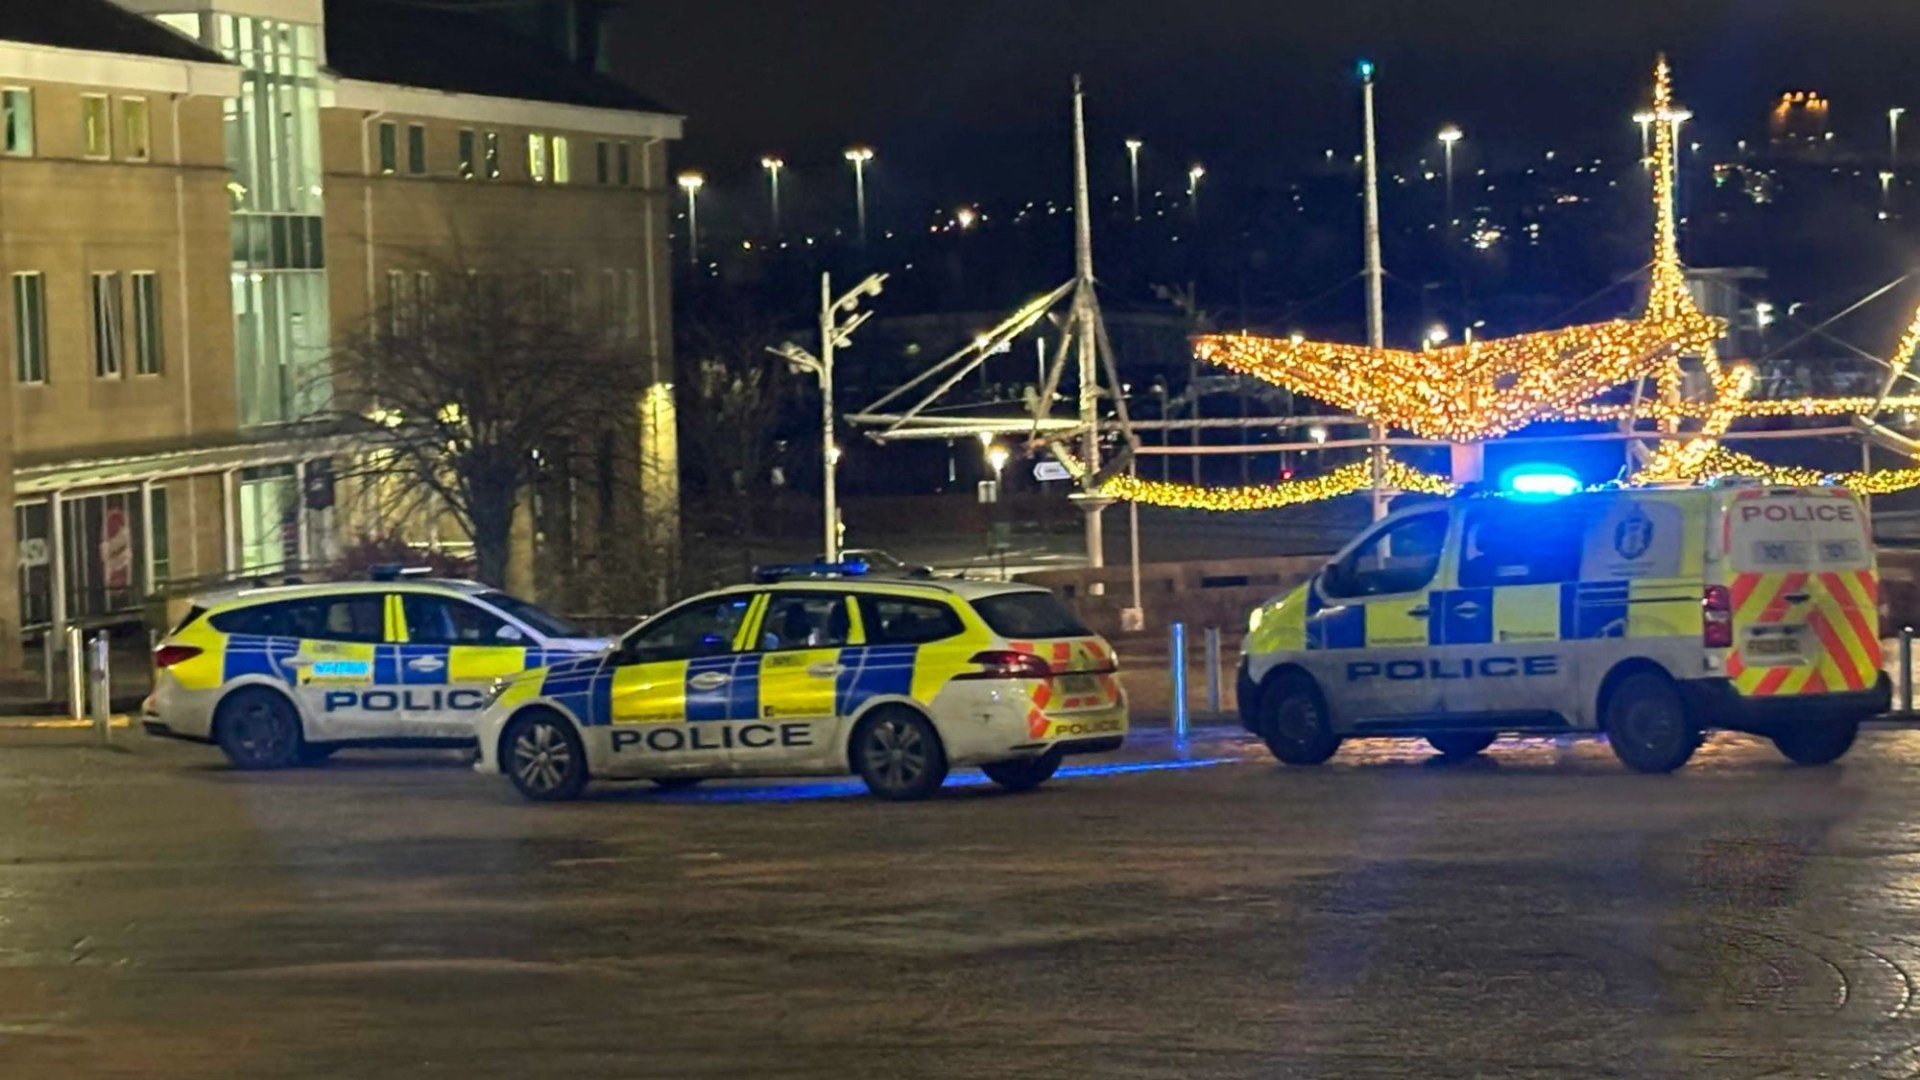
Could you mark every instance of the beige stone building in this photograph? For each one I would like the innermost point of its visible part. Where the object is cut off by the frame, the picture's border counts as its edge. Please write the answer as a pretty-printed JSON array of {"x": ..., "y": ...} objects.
[{"x": 199, "y": 197}]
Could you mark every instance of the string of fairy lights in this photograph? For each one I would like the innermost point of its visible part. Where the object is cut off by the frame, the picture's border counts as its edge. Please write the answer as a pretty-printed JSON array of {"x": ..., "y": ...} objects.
[{"x": 1485, "y": 389}]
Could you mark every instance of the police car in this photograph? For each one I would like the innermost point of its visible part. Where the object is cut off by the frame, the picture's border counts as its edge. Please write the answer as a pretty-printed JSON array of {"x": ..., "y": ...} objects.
[
  {"x": 277, "y": 676},
  {"x": 822, "y": 672},
  {"x": 1651, "y": 615}
]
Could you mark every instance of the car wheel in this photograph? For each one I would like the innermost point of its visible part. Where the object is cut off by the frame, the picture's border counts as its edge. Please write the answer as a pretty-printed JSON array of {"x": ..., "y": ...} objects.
[
  {"x": 1460, "y": 744},
  {"x": 1648, "y": 725},
  {"x": 544, "y": 757},
  {"x": 1820, "y": 743},
  {"x": 1024, "y": 774},
  {"x": 676, "y": 783},
  {"x": 1294, "y": 722},
  {"x": 259, "y": 729},
  {"x": 899, "y": 756}
]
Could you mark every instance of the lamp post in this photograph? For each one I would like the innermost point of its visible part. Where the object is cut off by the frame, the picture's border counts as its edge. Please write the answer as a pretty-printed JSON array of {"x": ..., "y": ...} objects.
[
  {"x": 773, "y": 165},
  {"x": 1376, "y": 277},
  {"x": 859, "y": 156},
  {"x": 1893, "y": 137},
  {"x": 691, "y": 183},
  {"x": 1886, "y": 194},
  {"x": 1194, "y": 176},
  {"x": 1645, "y": 120},
  {"x": 1133, "y": 169},
  {"x": 835, "y": 332},
  {"x": 1450, "y": 135}
]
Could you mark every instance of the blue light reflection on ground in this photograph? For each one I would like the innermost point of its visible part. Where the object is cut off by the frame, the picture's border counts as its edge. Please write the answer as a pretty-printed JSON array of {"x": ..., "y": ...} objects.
[{"x": 841, "y": 789}]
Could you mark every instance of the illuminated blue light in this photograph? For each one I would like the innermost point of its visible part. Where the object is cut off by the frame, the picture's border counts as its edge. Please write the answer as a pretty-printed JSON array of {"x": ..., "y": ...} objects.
[
  {"x": 1366, "y": 69},
  {"x": 842, "y": 789},
  {"x": 1540, "y": 481}
]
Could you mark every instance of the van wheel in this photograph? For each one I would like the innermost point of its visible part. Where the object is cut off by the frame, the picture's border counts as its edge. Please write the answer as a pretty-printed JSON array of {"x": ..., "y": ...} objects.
[
  {"x": 1024, "y": 774},
  {"x": 1820, "y": 743},
  {"x": 1294, "y": 722},
  {"x": 1460, "y": 744},
  {"x": 259, "y": 729},
  {"x": 899, "y": 756},
  {"x": 544, "y": 757},
  {"x": 1648, "y": 725}
]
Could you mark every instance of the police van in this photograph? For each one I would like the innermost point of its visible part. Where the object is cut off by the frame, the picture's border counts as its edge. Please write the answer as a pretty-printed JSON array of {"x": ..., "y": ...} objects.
[
  {"x": 280, "y": 675},
  {"x": 1649, "y": 614},
  {"x": 819, "y": 671}
]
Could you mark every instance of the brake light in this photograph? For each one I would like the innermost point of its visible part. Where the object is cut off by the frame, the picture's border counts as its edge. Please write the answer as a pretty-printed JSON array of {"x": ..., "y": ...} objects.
[
  {"x": 1008, "y": 664},
  {"x": 168, "y": 655},
  {"x": 1716, "y": 609}
]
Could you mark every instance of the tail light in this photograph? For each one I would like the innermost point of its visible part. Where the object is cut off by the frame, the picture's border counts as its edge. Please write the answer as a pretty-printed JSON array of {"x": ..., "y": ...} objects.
[
  {"x": 1008, "y": 664},
  {"x": 168, "y": 655},
  {"x": 1716, "y": 609}
]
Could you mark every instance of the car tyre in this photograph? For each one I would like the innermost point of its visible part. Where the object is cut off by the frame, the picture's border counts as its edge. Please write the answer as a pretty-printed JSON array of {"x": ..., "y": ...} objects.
[
  {"x": 1821, "y": 743},
  {"x": 899, "y": 756},
  {"x": 676, "y": 783},
  {"x": 1648, "y": 724},
  {"x": 1295, "y": 724},
  {"x": 1460, "y": 745},
  {"x": 259, "y": 730},
  {"x": 1024, "y": 774},
  {"x": 543, "y": 756}
]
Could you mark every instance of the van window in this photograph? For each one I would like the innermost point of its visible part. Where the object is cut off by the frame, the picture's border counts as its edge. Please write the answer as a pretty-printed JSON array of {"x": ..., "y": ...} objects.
[
  {"x": 1401, "y": 558},
  {"x": 1512, "y": 544}
]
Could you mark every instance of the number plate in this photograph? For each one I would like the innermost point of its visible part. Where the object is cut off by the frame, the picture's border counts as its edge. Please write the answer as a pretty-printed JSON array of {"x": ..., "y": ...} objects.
[
  {"x": 1783, "y": 647},
  {"x": 1079, "y": 685}
]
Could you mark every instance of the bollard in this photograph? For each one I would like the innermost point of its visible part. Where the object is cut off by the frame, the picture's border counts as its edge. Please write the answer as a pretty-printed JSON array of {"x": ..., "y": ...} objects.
[
  {"x": 1213, "y": 670},
  {"x": 76, "y": 673},
  {"x": 1179, "y": 665},
  {"x": 1906, "y": 670},
  {"x": 102, "y": 695}
]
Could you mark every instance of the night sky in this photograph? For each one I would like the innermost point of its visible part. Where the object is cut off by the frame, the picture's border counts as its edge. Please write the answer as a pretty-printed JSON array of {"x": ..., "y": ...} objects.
[{"x": 968, "y": 99}]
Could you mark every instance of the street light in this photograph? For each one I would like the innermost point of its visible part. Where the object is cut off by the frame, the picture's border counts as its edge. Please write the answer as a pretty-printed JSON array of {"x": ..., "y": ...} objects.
[
  {"x": 1194, "y": 176},
  {"x": 1893, "y": 137},
  {"x": 691, "y": 183},
  {"x": 773, "y": 165},
  {"x": 834, "y": 333},
  {"x": 1437, "y": 335},
  {"x": 1645, "y": 120},
  {"x": 1886, "y": 193},
  {"x": 1133, "y": 167},
  {"x": 966, "y": 217},
  {"x": 997, "y": 457},
  {"x": 1450, "y": 135},
  {"x": 859, "y": 156}
]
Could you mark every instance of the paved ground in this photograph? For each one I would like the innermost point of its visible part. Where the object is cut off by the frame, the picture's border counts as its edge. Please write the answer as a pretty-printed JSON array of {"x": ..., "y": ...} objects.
[{"x": 1540, "y": 913}]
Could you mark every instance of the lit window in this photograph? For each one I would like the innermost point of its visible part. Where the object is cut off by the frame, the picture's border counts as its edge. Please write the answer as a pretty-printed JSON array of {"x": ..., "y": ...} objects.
[
  {"x": 562, "y": 160},
  {"x": 109, "y": 340},
  {"x": 493, "y": 155},
  {"x": 30, "y": 327},
  {"x": 417, "y": 149},
  {"x": 135, "y": 133},
  {"x": 537, "y": 158},
  {"x": 96, "y": 126},
  {"x": 146, "y": 323},
  {"x": 468, "y": 155},
  {"x": 16, "y": 122},
  {"x": 389, "y": 149}
]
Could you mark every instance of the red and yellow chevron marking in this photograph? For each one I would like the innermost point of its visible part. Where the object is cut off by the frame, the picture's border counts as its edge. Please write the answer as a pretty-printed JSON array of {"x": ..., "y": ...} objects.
[{"x": 1841, "y": 617}]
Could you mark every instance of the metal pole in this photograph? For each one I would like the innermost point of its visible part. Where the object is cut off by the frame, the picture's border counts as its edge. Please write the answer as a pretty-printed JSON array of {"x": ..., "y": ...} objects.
[
  {"x": 1179, "y": 673},
  {"x": 774, "y": 171},
  {"x": 1213, "y": 670},
  {"x": 1906, "y": 670},
  {"x": 1133, "y": 167},
  {"x": 860, "y": 195},
  {"x": 829, "y": 453},
  {"x": 1083, "y": 314},
  {"x": 1376, "y": 276},
  {"x": 102, "y": 696},
  {"x": 76, "y": 673},
  {"x": 1133, "y": 545},
  {"x": 1448, "y": 145},
  {"x": 693, "y": 226},
  {"x": 57, "y": 577},
  {"x": 146, "y": 542}
]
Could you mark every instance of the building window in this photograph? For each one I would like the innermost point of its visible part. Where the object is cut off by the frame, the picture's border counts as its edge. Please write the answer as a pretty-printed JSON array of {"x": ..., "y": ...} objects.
[
  {"x": 537, "y": 158},
  {"x": 96, "y": 126},
  {"x": 423, "y": 300},
  {"x": 109, "y": 327},
  {"x": 397, "y": 322},
  {"x": 468, "y": 154},
  {"x": 417, "y": 149},
  {"x": 136, "y": 135},
  {"x": 30, "y": 327},
  {"x": 562, "y": 160},
  {"x": 389, "y": 149},
  {"x": 556, "y": 295},
  {"x": 16, "y": 122},
  {"x": 146, "y": 323},
  {"x": 603, "y": 162},
  {"x": 626, "y": 164},
  {"x": 493, "y": 155},
  {"x": 630, "y": 325}
]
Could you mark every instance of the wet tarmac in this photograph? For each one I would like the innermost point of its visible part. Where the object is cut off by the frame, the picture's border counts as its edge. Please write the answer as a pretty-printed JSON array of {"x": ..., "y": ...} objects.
[{"x": 1540, "y": 912}]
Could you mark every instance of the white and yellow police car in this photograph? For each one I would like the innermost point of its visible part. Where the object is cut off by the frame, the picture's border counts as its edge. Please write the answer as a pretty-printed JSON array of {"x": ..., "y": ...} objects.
[
  {"x": 1651, "y": 615},
  {"x": 280, "y": 675},
  {"x": 821, "y": 672}
]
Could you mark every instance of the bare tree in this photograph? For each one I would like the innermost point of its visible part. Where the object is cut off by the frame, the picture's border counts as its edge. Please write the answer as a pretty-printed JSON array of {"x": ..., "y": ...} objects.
[{"x": 483, "y": 392}]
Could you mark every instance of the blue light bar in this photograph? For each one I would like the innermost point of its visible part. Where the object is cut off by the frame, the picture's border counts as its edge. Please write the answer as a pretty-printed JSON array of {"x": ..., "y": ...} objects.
[
  {"x": 767, "y": 575},
  {"x": 1540, "y": 482}
]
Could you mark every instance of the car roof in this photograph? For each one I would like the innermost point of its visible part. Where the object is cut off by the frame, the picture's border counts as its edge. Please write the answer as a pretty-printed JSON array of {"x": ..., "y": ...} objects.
[
  {"x": 967, "y": 589},
  {"x": 264, "y": 593}
]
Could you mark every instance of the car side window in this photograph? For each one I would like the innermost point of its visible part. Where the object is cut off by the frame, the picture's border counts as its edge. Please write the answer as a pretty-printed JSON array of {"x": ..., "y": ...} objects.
[
  {"x": 1511, "y": 545},
  {"x": 804, "y": 621},
  {"x": 893, "y": 620},
  {"x": 702, "y": 628},
  {"x": 446, "y": 620},
  {"x": 1400, "y": 558},
  {"x": 358, "y": 617}
]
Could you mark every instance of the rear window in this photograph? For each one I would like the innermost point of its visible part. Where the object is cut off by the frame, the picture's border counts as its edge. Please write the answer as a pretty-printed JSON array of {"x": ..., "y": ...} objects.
[{"x": 1025, "y": 615}]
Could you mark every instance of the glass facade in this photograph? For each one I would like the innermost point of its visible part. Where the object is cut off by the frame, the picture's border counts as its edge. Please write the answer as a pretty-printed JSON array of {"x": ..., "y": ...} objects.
[
  {"x": 269, "y": 519},
  {"x": 104, "y": 554}
]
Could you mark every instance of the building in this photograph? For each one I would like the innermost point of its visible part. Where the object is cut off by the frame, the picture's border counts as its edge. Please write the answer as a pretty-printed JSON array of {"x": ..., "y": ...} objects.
[{"x": 199, "y": 197}]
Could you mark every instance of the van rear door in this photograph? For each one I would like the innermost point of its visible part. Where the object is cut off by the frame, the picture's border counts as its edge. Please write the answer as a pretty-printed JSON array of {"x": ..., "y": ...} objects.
[{"x": 1804, "y": 592}]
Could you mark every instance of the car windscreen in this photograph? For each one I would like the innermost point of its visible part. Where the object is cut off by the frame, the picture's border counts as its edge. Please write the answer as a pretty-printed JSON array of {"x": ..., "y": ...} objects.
[
  {"x": 1025, "y": 615},
  {"x": 533, "y": 615}
]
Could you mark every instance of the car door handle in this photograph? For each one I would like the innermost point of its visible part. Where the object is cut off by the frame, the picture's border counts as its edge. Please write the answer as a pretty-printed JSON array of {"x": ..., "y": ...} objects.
[
  {"x": 426, "y": 663},
  {"x": 1420, "y": 612},
  {"x": 825, "y": 670},
  {"x": 709, "y": 680}
]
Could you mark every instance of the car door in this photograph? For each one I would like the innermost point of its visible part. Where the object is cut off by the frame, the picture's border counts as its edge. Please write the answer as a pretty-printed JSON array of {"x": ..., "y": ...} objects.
[
  {"x": 451, "y": 651},
  {"x": 675, "y": 677},
  {"x": 1369, "y": 623},
  {"x": 800, "y": 641},
  {"x": 1501, "y": 654},
  {"x": 336, "y": 659}
]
